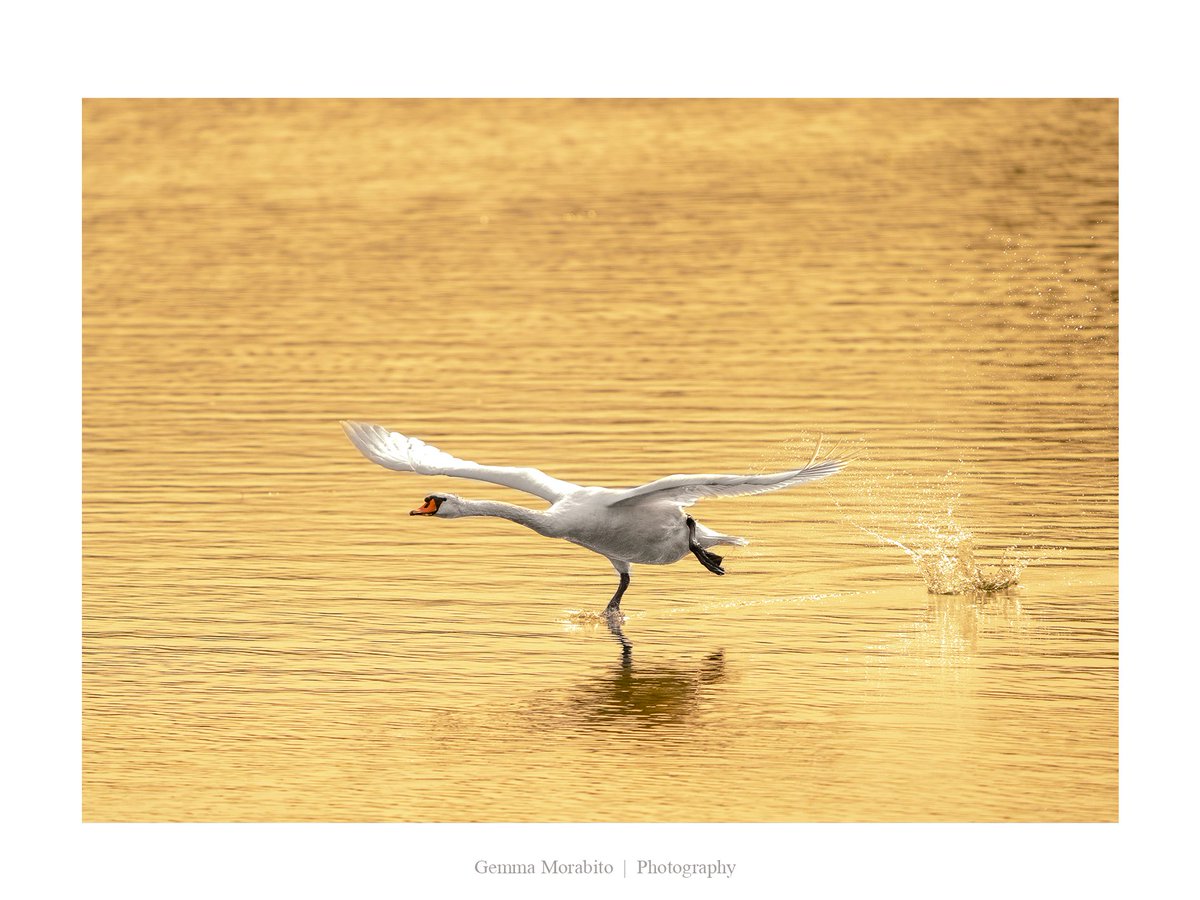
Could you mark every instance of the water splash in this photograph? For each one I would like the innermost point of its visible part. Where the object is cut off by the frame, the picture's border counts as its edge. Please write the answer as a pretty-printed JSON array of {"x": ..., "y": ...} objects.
[
  {"x": 578, "y": 617},
  {"x": 944, "y": 554},
  {"x": 916, "y": 515}
]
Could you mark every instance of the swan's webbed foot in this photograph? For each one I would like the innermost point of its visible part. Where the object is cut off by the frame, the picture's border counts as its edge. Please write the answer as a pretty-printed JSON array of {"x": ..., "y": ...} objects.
[{"x": 709, "y": 560}]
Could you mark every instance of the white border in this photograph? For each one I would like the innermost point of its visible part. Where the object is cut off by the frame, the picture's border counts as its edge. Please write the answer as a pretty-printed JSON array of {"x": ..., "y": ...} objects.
[{"x": 66, "y": 51}]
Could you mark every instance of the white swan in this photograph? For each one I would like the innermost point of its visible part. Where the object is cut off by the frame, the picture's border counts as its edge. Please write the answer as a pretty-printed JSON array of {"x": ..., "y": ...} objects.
[{"x": 636, "y": 525}]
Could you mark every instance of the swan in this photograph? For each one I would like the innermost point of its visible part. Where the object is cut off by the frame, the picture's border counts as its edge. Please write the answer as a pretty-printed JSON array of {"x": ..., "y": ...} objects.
[{"x": 644, "y": 525}]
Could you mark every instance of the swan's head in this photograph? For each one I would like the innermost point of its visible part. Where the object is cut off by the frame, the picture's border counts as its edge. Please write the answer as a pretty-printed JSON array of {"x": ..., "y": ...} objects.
[{"x": 445, "y": 505}]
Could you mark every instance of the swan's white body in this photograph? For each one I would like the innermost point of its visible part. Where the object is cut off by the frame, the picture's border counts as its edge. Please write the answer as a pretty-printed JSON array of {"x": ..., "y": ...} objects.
[{"x": 644, "y": 524}]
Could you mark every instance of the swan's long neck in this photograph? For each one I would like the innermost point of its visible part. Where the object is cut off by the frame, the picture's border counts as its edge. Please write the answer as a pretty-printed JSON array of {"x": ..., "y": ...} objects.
[{"x": 538, "y": 520}]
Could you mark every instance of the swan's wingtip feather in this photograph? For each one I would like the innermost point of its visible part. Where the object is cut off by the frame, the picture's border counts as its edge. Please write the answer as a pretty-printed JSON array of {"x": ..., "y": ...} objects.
[
  {"x": 350, "y": 426},
  {"x": 370, "y": 432}
]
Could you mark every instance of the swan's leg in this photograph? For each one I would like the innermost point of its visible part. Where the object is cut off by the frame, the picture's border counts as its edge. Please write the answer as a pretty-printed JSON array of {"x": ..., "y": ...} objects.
[
  {"x": 710, "y": 561},
  {"x": 614, "y": 605}
]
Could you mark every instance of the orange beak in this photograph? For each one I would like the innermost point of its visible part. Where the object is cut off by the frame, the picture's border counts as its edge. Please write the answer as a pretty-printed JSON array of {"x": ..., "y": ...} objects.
[{"x": 428, "y": 509}]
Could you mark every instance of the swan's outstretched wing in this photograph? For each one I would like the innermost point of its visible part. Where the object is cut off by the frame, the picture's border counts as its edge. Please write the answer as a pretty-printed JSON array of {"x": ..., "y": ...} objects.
[
  {"x": 405, "y": 454},
  {"x": 687, "y": 489}
]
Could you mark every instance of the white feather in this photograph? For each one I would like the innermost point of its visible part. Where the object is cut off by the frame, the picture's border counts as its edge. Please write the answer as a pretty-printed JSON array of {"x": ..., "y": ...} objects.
[
  {"x": 687, "y": 489},
  {"x": 408, "y": 454}
]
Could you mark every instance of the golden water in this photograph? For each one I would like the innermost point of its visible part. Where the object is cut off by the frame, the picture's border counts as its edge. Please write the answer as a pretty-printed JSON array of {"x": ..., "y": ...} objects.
[{"x": 612, "y": 291}]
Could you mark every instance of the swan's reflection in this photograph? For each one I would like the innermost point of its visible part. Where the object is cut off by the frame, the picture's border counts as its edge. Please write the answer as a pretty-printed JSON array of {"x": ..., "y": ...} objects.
[
  {"x": 648, "y": 694},
  {"x": 614, "y": 620}
]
